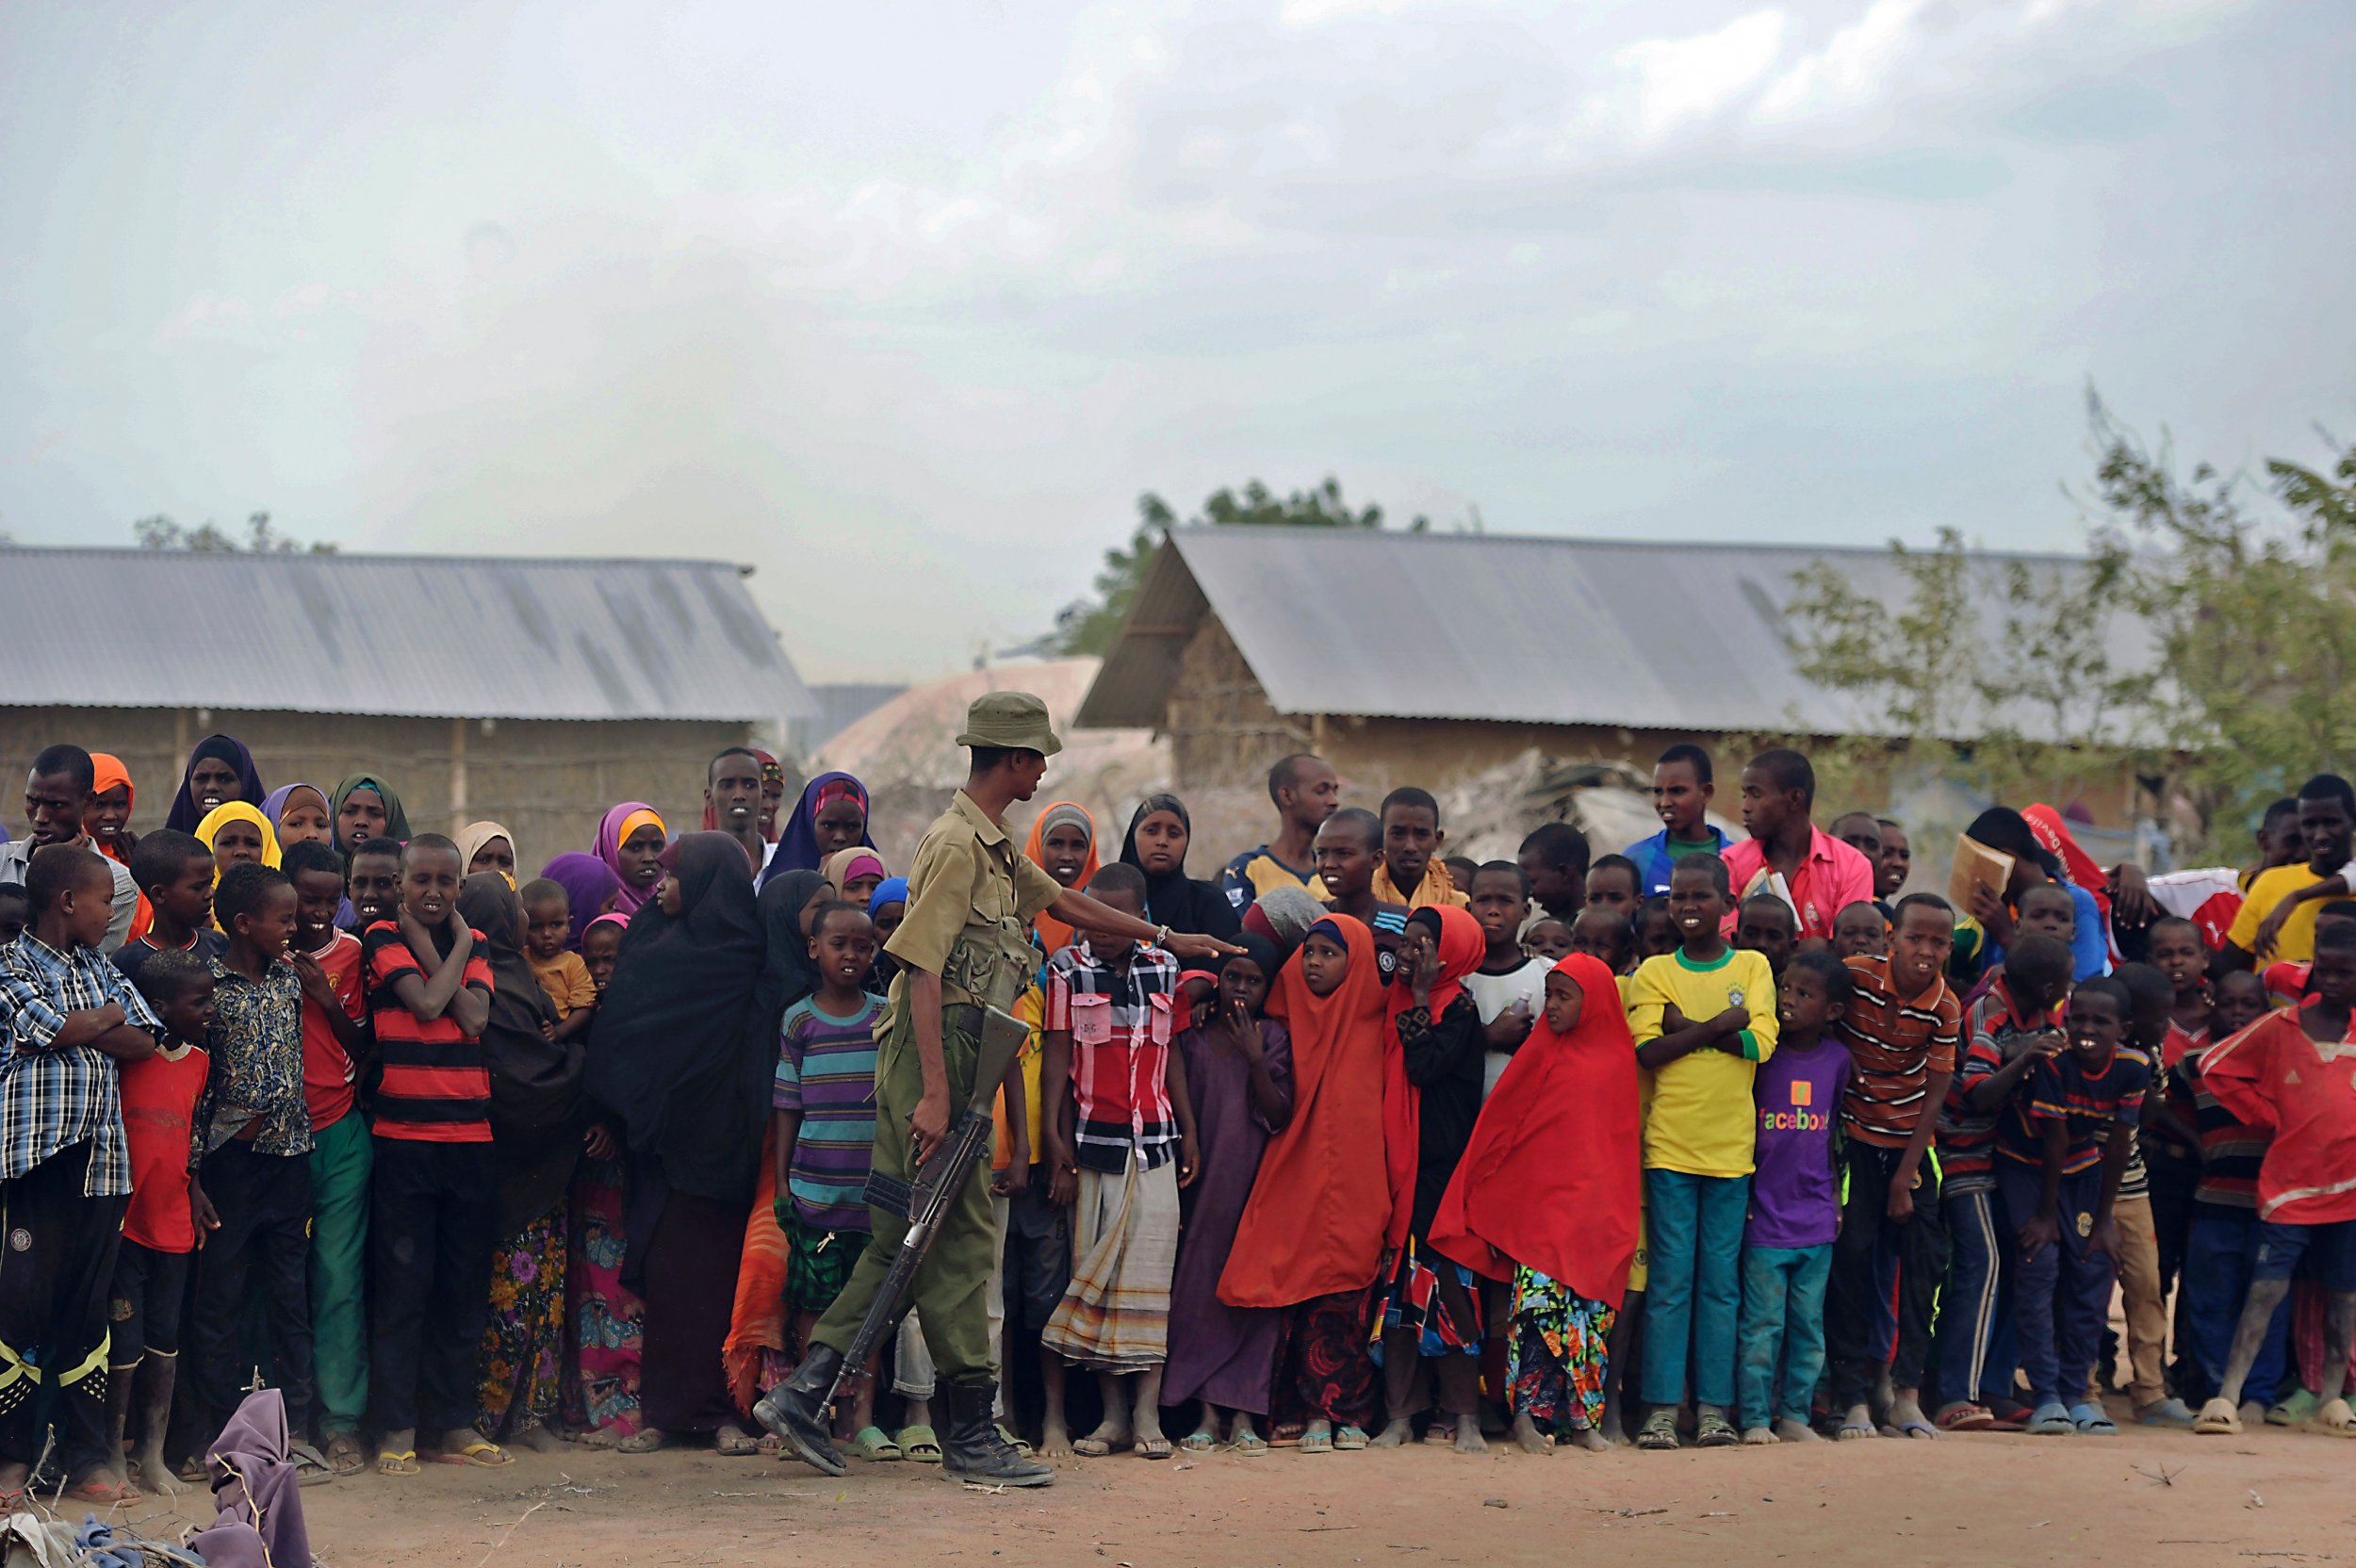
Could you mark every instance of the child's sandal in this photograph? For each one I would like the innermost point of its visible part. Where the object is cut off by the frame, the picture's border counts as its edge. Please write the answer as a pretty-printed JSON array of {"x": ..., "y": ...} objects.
[
  {"x": 401, "y": 1463},
  {"x": 1659, "y": 1430}
]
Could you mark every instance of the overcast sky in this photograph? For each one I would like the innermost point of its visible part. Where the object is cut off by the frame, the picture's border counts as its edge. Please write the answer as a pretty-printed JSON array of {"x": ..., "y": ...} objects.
[{"x": 904, "y": 304}]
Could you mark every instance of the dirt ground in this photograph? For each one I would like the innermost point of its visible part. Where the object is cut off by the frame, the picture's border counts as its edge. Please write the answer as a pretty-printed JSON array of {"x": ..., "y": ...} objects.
[{"x": 2272, "y": 1499}]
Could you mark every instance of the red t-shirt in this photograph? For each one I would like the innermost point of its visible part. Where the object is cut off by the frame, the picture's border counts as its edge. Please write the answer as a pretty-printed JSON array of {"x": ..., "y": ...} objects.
[
  {"x": 2272, "y": 1075},
  {"x": 327, "y": 1069},
  {"x": 158, "y": 1102},
  {"x": 435, "y": 1089}
]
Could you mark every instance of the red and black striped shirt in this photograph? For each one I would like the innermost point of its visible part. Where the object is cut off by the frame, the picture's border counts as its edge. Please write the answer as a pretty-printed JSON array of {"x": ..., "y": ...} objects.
[{"x": 435, "y": 1089}]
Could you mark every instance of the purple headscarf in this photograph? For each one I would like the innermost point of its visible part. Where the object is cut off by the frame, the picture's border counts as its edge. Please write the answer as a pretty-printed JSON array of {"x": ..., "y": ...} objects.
[
  {"x": 588, "y": 882},
  {"x": 610, "y": 836}
]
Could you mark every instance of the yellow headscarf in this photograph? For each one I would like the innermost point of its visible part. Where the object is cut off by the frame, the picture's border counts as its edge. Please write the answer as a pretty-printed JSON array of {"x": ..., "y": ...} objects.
[
  {"x": 237, "y": 811},
  {"x": 471, "y": 839}
]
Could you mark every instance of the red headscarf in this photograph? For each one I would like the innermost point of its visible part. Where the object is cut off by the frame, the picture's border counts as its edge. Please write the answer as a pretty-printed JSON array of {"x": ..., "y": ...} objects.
[
  {"x": 1551, "y": 1177},
  {"x": 1053, "y": 934},
  {"x": 2077, "y": 864},
  {"x": 1314, "y": 1223},
  {"x": 1461, "y": 945}
]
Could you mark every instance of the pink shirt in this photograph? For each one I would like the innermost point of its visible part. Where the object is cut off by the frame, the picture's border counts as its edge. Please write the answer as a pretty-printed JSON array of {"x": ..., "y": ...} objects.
[{"x": 1832, "y": 877}]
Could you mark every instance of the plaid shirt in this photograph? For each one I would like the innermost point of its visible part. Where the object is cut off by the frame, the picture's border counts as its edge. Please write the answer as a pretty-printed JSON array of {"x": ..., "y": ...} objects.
[
  {"x": 256, "y": 1048},
  {"x": 51, "y": 1100},
  {"x": 1120, "y": 1026}
]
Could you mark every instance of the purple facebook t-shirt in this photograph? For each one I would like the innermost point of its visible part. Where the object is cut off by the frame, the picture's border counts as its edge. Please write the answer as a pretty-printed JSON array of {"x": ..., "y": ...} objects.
[{"x": 1795, "y": 1196}]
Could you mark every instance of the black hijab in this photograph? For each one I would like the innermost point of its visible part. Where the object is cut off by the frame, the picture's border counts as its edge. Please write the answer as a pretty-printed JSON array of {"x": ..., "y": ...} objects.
[
  {"x": 787, "y": 972},
  {"x": 535, "y": 1083},
  {"x": 1174, "y": 899},
  {"x": 676, "y": 1063}
]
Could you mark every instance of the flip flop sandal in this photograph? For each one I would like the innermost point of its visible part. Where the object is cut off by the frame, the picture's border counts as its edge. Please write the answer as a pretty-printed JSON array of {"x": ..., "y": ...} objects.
[
  {"x": 1251, "y": 1444},
  {"x": 1198, "y": 1443},
  {"x": 1285, "y": 1434},
  {"x": 1155, "y": 1448},
  {"x": 2092, "y": 1420},
  {"x": 2051, "y": 1421},
  {"x": 1007, "y": 1435},
  {"x": 735, "y": 1444},
  {"x": 1437, "y": 1436},
  {"x": 2336, "y": 1418},
  {"x": 1659, "y": 1434},
  {"x": 1967, "y": 1418},
  {"x": 1092, "y": 1448},
  {"x": 311, "y": 1466},
  {"x": 1350, "y": 1439},
  {"x": 1854, "y": 1431},
  {"x": 874, "y": 1443},
  {"x": 920, "y": 1445},
  {"x": 484, "y": 1456},
  {"x": 401, "y": 1463},
  {"x": 344, "y": 1454},
  {"x": 1316, "y": 1443},
  {"x": 646, "y": 1440},
  {"x": 2218, "y": 1419},
  {"x": 103, "y": 1494}
]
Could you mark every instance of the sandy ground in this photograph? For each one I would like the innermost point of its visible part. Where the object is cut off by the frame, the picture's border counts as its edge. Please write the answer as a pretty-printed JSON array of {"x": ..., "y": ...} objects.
[{"x": 2274, "y": 1497}]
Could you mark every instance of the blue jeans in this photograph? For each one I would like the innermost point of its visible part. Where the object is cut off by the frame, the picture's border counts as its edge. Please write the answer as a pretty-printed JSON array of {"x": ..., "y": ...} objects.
[
  {"x": 2219, "y": 1259},
  {"x": 1695, "y": 1292},
  {"x": 2061, "y": 1296},
  {"x": 1783, "y": 1326},
  {"x": 1975, "y": 1344}
]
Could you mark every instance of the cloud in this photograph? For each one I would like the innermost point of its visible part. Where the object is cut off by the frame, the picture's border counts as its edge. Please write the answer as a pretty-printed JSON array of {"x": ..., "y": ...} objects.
[{"x": 1677, "y": 82}]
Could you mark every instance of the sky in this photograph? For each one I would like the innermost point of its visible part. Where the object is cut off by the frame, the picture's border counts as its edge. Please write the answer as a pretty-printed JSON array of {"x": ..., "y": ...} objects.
[{"x": 904, "y": 305}]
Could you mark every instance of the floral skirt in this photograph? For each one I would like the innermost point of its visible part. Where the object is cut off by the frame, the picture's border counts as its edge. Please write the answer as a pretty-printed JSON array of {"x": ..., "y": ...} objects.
[
  {"x": 1323, "y": 1370},
  {"x": 522, "y": 1369},
  {"x": 1555, "y": 1362},
  {"x": 609, "y": 1322}
]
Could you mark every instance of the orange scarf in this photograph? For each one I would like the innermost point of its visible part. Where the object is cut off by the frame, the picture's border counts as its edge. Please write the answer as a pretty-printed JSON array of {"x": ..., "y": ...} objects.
[
  {"x": 1053, "y": 933},
  {"x": 758, "y": 1321}
]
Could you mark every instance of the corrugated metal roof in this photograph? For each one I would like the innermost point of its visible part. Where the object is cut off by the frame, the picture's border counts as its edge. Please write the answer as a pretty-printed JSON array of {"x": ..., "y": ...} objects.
[
  {"x": 1557, "y": 631},
  {"x": 439, "y": 636}
]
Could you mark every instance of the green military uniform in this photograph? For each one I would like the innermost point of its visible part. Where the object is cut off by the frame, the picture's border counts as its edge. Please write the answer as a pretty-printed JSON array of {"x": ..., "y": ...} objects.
[{"x": 971, "y": 896}]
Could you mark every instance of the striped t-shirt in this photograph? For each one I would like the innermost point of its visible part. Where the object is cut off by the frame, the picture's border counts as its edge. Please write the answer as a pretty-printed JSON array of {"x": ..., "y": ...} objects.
[
  {"x": 2087, "y": 1103},
  {"x": 827, "y": 1076},
  {"x": 1894, "y": 1046},
  {"x": 435, "y": 1089},
  {"x": 1998, "y": 1035}
]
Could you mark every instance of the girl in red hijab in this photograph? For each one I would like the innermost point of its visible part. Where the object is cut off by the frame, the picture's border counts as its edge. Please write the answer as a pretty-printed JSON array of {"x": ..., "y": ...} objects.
[
  {"x": 1431, "y": 1100},
  {"x": 1546, "y": 1196}
]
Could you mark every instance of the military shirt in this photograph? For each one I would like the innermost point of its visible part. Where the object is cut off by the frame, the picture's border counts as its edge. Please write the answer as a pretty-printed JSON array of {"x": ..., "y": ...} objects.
[{"x": 971, "y": 896}]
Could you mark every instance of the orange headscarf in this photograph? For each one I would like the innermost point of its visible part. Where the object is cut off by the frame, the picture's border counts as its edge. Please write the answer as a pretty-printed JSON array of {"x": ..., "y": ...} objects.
[
  {"x": 1313, "y": 1225},
  {"x": 1551, "y": 1177},
  {"x": 106, "y": 770},
  {"x": 1461, "y": 945},
  {"x": 1053, "y": 934}
]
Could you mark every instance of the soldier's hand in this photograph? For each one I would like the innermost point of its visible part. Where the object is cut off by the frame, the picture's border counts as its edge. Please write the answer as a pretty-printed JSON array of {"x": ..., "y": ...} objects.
[
  {"x": 1193, "y": 944},
  {"x": 928, "y": 1126}
]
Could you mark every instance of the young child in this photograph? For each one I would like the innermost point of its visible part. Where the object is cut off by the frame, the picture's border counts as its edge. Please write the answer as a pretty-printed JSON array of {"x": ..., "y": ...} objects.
[
  {"x": 167, "y": 1215},
  {"x": 602, "y": 948},
  {"x": 1902, "y": 1027},
  {"x": 1613, "y": 884},
  {"x": 2059, "y": 1182},
  {"x": 547, "y": 922},
  {"x": 1602, "y": 935},
  {"x": 1411, "y": 873},
  {"x": 1765, "y": 925},
  {"x": 1861, "y": 932},
  {"x": 175, "y": 873},
  {"x": 1120, "y": 1132},
  {"x": 1795, "y": 1204},
  {"x": 1238, "y": 1069},
  {"x": 1510, "y": 985},
  {"x": 1657, "y": 933},
  {"x": 1681, "y": 787},
  {"x": 1555, "y": 858},
  {"x": 2009, "y": 1033},
  {"x": 1550, "y": 941},
  {"x": 2306, "y": 1207},
  {"x": 1350, "y": 847},
  {"x": 435, "y": 1222},
  {"x": 327, "y": 961},
  {"x": 2222, "y": 1245},
  {"x": 372, "y": 884},
  {"x": 1702, "y": 1022},
  {"x": 16, "y": 909},
  {"x": 251, "y": 1144},
  {"x": 2142, "y": 1286},
  {"x": 823, "y": 1110}
]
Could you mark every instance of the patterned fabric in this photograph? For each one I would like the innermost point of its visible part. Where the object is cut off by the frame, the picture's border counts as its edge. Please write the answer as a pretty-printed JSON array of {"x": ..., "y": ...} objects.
[
  {"x": 256, "y": 1051},
  {"x": 1555, "y": 1362},
  {"x": 1894, "y": 1045},
  {"x": 608, "y": 1321},
  {"x": 827, "y": 1076},
  {"x": 53, "y": 1100},
  {"x": 1323, "y": 1371},
  {"x": 1996, "y": 1033},
  {"x": 435, "y": 1088},
  {"x": 817, "y": 1262},
  {"x": 1115, "y": 1314},
  {"x": 2062, "y": 1090},
  {"x": 1412, "y": 1302},
  {"x": 523, "y": 1340},
  {"x": 2232, "y": 1151},
  {"x": 1122, "y": 1027}
]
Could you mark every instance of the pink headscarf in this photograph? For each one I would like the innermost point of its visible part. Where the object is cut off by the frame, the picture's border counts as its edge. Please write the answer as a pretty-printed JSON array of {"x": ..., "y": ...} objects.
[{"x": 617, "y": 826}]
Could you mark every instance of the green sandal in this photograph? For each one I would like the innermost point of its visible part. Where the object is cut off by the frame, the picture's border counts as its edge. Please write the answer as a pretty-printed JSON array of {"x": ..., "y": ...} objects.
[
  {"x": 874, "y": 1443},
  {"x": 1317, "y": 1442},
  {"x": 1198, "y": 1442},
  {"x": 1006, "y": 1435},
  {"x": 1713, "y": 1430},
  {"x": 1350, "y": 1439},
  {"x": 1659, "y": 1430},
  {"x": 919, "y": 1445}
]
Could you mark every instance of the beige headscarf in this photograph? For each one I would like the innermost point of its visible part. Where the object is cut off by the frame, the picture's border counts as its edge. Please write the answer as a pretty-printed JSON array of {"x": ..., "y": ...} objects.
[{"x": 471, "y": 839}]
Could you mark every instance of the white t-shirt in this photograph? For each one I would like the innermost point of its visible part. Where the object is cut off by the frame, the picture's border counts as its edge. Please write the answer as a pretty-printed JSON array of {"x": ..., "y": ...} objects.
[{"x": 1493, "y": 993}]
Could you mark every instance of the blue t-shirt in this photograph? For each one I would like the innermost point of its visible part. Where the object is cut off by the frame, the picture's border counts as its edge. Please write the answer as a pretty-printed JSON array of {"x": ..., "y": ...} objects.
[
  {"x": 1655, "y": 860},
  {"x": 1795, "y": 1195}
]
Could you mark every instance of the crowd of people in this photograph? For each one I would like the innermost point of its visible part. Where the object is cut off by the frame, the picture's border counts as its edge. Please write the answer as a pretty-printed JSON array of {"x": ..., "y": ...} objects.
[{"x": 1352, "y": 1145}]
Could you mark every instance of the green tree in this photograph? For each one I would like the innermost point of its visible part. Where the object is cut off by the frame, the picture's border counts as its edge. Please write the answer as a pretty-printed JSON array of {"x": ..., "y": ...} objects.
[
  {"x": 1089, "y": 625},
  {"x": 161, "y": 533}
]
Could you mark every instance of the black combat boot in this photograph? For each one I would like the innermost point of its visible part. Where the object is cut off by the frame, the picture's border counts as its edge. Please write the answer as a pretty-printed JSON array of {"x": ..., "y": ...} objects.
[
  {"x": 798, "y": 1409},
  {"x": 973, "y": 1451}
]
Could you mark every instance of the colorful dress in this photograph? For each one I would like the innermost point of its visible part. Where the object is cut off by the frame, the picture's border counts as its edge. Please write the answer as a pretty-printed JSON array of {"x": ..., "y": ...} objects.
[
  {"x": 608, "y": 1321},
  {"x": 523, "y": 1343},
  {"x": 1555, "y": 1363}
]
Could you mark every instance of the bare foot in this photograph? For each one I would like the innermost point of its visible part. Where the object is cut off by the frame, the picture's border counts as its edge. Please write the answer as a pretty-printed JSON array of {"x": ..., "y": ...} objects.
[
  {"x": 1532, "y": 1440},
  {"x": 156, "y": 1477},
  {"x": 600, "y": 1437},
  {"x": 1789, "y": 1430},
  {"x": 1396, "y": 1433},
  {"x": 13, "y": 1475},
  {"x": 537, "y": 1438},
  {"x": 645, "y": 1440},
  {"x": 1054, "y": 1441},
  {"x": 1591, "y": 1440},
  {"x": 1757, "y": 1437},
  {"x": 1469, "y": 1438}
]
